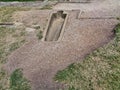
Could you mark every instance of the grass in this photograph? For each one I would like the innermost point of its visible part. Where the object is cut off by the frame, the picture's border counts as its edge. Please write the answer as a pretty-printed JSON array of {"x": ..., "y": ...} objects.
[
  {"x": 40, "y": 35},
  {"x": 6, "y": 13},
  {"x": 98, "y": 71},
  {"x": 18, "y": 81},
  {"x": 46, "y": 7},
  {"x": 15, "y": 45},
  {"x": 10, "y": 40}
]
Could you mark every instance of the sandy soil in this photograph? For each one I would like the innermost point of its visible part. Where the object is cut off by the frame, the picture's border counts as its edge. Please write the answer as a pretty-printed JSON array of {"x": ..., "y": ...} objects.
[
  {"x": 41, "y": 60},
  {"x": 32, "y": 17}
]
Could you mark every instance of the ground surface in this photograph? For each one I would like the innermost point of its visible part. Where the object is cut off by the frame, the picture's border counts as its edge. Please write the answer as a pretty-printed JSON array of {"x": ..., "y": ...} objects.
[
  {"x": 100, "y": 70},
  {"x": 31, "y": 3},
  {"x": 84, "y": 32}
]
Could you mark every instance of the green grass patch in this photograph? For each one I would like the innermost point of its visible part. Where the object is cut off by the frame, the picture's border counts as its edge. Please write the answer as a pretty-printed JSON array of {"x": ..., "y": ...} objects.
[
  {"x": 18, "y": 81},
  {"x": 40, "y": 35},
  {"x": 98, "y": 71}
]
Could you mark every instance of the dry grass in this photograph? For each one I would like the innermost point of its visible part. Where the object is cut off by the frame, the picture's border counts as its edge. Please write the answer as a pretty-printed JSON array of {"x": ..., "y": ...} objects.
[
  {"x": 6, "y": 13},
  {"x": 11, "y": 38}
]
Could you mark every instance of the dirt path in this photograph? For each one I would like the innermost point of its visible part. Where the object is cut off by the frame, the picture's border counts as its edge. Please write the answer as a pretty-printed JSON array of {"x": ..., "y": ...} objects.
[
  {"x": 95, "y": 5},
  {"x": 38, "y": 4},
  {"x": 41, "y": 60}
]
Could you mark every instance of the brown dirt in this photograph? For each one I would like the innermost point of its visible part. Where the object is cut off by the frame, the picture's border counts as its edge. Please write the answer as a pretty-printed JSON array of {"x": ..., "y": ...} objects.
[
  {"x": 41, "y": 60},
  {"x": 32, "y": 17}
]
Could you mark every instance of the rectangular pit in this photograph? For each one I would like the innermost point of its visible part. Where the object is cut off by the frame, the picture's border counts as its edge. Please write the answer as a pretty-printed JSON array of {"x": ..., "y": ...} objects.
[{"x": 55, "y": 26}]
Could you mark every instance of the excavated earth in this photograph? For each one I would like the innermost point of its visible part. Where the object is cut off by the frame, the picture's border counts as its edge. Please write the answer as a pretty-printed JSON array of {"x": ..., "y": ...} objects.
[{"x": 87, "y": 29}]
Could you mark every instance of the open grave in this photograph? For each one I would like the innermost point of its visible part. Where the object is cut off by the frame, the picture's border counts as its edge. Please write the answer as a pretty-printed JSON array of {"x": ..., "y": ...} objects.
[{"x": 55, "y": 26}]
